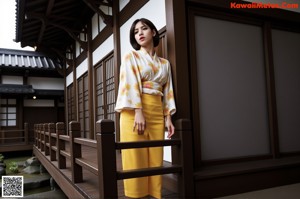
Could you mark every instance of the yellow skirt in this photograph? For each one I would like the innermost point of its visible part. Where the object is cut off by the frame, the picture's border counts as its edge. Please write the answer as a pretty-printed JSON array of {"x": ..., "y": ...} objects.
[{"x": 143, "y": 157}]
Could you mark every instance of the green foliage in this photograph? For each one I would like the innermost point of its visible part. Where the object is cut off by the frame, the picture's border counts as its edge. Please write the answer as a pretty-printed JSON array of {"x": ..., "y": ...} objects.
[
  {"x": 1, "y": 157},
  {"x": 13, "y": 167}
]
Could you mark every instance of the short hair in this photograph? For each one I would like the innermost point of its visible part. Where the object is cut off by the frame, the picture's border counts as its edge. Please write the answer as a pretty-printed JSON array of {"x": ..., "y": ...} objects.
[{"x": 133, "y": 42}]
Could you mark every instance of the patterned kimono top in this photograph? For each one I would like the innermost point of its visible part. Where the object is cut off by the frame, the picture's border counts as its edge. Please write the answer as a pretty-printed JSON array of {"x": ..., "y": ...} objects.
[{"x": 140, "y": 73}]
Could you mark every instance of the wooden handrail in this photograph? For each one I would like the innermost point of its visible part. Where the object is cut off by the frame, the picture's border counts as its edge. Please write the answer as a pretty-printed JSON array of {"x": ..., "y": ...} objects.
[
  {"x": 65, "y": 154},
  {"x": 144, "y": 144},
  {"x": 64, "y": 137},
  {"x": 108, "y": 175},
  {"x": 12, "y": 138},
  {"x": 55, "y": 139},
  {"x": 136, "y": 173},
  {"x": 88, "y": 165},
  {"x": 9, "y": 131},
  {"x": 25, "y": 135},
  {"x": 86, "y": 142}
]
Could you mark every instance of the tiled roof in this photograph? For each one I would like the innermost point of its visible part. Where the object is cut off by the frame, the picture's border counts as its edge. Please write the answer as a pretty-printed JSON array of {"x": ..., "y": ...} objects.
[{"x": 26, "y": 59}]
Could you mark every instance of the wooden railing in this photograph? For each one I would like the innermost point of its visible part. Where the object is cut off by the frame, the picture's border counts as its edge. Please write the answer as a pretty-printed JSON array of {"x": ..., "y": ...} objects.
[
  {"x": 54, "y": 142},
  {"x": 5, "y": 135}
]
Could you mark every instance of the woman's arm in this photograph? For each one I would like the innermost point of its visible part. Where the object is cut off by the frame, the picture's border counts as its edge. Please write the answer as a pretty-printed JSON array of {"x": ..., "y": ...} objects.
[{"x": 170, "y": 126}]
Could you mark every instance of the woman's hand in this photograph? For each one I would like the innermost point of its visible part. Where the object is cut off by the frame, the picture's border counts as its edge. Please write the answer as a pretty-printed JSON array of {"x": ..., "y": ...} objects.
[
  {"x": 170, "y": 126},
  {"x": 139, "y": 121}
]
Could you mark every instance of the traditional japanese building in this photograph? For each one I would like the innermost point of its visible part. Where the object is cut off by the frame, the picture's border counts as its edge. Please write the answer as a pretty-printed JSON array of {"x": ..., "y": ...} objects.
[
  {"x": 31, "y": 91},
  {"x": 235, "y": 68}
]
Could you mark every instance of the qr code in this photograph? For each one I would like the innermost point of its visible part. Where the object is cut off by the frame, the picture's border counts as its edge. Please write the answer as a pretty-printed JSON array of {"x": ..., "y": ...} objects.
[{"x": 12, "y": 186}]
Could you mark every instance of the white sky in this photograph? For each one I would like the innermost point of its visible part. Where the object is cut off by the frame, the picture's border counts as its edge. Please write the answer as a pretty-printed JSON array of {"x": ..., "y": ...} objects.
[{"x": 8, "y": 25}]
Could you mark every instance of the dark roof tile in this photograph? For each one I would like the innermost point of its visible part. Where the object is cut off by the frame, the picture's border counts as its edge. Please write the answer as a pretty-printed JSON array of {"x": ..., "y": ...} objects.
[{"x": 27, "y": 59}]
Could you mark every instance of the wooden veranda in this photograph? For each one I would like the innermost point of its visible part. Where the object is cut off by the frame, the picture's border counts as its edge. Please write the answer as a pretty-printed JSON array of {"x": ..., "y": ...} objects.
[{"x": 87, "y": 168}]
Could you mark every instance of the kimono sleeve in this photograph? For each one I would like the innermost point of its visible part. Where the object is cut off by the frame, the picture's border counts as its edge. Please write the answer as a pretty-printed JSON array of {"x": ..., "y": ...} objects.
[
  {"x": 168, "y": 97},
  {"x": 130, "y": 86}
]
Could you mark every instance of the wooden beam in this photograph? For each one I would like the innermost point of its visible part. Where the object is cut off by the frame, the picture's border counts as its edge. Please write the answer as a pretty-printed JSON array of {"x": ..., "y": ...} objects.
[
  {"x": 46, "y": 22},
  {"x": 59, "y": 53},
  {"x": 82, "y": 44},
  {"x": 50, "y": 17},
  {"x": 43, "y": 27},
  {"x": 109, "y": 2},
  {"x": 108, "y": 20}
]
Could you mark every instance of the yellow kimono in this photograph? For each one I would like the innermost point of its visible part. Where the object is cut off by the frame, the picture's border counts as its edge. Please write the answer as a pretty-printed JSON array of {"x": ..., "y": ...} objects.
[{"x": 145, "y": 82}]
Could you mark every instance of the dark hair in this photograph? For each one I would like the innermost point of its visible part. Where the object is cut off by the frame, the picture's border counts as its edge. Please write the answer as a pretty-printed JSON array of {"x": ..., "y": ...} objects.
[{"x": 133, "y": 42}]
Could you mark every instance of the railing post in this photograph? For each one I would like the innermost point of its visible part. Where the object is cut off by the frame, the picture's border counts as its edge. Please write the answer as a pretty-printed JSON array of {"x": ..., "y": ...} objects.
[
  {"x": 52, "y": 142},
  {"x": 75, "y": 150},
  {"x": 107, "y": 175},
  {"x": 43, "y": 137},
  {"x": 46, "y": 136},
  {"x": 185, "y": 158},
  {"x": 60, "y": 130},
  {"x": 38, "y": 136},
  {"x": 26, "y": 134},
  {"x": 35, "y": 134}
]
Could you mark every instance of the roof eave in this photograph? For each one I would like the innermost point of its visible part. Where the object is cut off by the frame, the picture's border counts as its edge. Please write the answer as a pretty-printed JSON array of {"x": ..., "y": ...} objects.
[{"x": 20, "y": 15}]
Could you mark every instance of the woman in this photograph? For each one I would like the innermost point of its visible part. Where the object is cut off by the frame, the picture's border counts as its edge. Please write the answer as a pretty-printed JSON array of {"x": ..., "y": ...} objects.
[{"x": 146, "y": 102}]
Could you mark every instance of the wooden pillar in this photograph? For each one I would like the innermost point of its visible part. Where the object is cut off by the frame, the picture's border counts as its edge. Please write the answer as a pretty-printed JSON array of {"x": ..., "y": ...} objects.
[
  {"x": 185, "y": 158},
  {"x": 60, "y": 130},
  {"x": 75, "y": 92},
  {"x": 90, "y": 81},
  {"x": 117, "y": 59},
  {"x": 75, "y": 150},
  {"x": 177, "y": 54},
  {"x": 107, "y": 169}
]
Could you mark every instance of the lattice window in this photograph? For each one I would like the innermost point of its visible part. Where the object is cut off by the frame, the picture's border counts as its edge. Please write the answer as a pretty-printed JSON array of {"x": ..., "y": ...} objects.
[
  {"x": 71, "y": 103},
  {"x": 8, "y": 112},
  {"x": 83, "y": 105},
  {"x": 105, "y": 89}
]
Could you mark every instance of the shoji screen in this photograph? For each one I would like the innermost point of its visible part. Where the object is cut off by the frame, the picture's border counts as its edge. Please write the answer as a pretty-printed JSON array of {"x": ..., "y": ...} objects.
[
  {"x": 286, "y": 53},
  {"x": 231, "y": 89}
]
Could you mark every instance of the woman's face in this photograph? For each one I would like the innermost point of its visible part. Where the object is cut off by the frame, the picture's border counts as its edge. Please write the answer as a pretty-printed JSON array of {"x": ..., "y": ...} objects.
[{"x": 143, "y": 34}]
